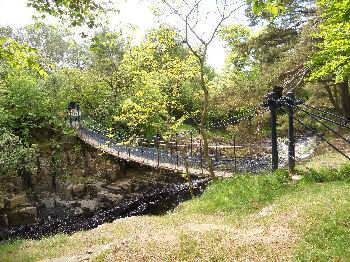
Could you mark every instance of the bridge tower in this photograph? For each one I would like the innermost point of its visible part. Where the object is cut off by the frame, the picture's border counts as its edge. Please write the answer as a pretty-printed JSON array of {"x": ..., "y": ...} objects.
[{"x": 74, "y": 114}]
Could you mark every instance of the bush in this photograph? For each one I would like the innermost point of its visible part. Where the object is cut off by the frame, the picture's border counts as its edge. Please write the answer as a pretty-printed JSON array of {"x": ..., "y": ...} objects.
[
  {"x": 15, "y": 157},
  {"x": 328, "y": 174}
]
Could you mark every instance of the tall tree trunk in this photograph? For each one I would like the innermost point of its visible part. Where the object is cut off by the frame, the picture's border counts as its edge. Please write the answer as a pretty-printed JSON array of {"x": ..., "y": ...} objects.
[
  {"x": 345, "y": 98},
  {"x": 204, "y": 116},
  {"x": 333, "y": 98}
]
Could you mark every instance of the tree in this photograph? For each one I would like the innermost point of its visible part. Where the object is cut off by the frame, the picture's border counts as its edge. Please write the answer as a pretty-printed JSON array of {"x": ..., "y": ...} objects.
[
  {"x": 193, "y": 16},
  {"x": 162, "y": 72},
  {"x": 332, "y": 60},
  {"x": 20, "y": 56},
  {"x": 283, "y": 14},
  {"x": 78, "y": 12},
  {"x": 50, "y": 41},
  {"x": 106, "y": 50}
]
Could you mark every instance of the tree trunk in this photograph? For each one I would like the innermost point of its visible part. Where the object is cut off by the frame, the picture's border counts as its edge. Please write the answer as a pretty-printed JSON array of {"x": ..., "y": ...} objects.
[
  {"x": 345, "y": 98},
  {"x": 333, "y": 98},
  {"x": 204, "y": 115}
]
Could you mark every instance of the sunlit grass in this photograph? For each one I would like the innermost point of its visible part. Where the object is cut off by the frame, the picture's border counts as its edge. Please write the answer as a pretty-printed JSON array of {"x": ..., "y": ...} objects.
[{"x": 240, "y": 194}]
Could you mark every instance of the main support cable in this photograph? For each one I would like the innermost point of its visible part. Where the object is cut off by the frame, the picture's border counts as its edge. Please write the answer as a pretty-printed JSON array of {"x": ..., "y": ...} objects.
[
  {"x": 328, "y": 113},
  {"x": 237, "y": 119},
  {"x": 314, "y": 116},
  {"x": 321, "y": 137},
  {"x": 328, "y": 128}
]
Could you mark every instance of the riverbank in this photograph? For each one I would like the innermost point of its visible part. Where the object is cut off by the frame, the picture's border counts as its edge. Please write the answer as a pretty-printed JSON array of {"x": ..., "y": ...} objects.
[{"x": 257, "y": 218}]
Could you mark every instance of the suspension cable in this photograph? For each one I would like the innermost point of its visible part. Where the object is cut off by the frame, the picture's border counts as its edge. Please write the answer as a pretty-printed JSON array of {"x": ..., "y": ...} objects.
[
  {"x": 314, "y": 115},
  {"x": 235, "y": 120},
  {"x": 328, "y": 113},
  {"x": 330, "y": 129},
  {"x": 322, "y": 138}
]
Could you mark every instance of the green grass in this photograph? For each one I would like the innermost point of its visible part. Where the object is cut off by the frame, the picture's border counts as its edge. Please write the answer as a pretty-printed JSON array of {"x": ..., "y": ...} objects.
[
  {"x": 311, "y": 218},
  {"x": 31, "y": 250},
  {"x": 241, "y": 194},
  {"x": 328, "y": 239}
]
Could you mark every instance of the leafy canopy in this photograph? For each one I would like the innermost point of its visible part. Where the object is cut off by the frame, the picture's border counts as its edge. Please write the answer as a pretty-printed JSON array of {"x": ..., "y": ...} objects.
[
  {"x": 78, "y": 12},
  {"x": 332, "y": 60}
]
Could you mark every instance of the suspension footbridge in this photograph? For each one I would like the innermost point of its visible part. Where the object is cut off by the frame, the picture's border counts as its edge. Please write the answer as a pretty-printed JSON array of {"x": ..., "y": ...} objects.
[{"x": 187, "y": 157}]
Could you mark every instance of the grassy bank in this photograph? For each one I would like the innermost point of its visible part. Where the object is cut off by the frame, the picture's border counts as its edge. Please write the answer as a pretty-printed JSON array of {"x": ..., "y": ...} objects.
[{"x": 257, "y": 218}]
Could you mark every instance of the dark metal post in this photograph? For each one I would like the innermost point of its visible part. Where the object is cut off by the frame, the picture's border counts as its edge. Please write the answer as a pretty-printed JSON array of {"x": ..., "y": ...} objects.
[
  {"x": 79, "y": 113},
  {"x": 274, "y": 145},
  {"x": 291, "y": 137},
  {"x": 273, "y": 105},
  {"x": 70, "y": 119}
]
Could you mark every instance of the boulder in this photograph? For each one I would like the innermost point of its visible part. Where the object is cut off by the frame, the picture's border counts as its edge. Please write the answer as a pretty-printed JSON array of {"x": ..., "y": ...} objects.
[
  {"x": 114, "y": 188},
  {"x": 17, "y": 200},
  {"x": 113, "y": 176},
  {"x": 23, "y": 216},
  {"x": 108, "y": 198},
  {"x": 92, "y": 189},
  {"x": 44, "y": 172},
  {"x": 48, "y": 202},
  {"x": 89, "y": 204},
  {"x": 78, "y": 211},
  {"x": 67, "y": 191},
  {"x": 78, "y": 190}
]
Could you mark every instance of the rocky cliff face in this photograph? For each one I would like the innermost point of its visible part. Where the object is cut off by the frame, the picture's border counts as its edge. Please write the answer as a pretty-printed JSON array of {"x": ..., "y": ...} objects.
[{"x": 64, "y": 177}]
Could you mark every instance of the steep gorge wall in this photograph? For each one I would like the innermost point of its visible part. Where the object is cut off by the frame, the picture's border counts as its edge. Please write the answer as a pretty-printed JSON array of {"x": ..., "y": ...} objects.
[{"x": 62, "y": 172}]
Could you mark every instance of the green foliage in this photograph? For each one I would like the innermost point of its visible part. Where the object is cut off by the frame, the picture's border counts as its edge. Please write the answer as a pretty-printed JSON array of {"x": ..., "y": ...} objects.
[
  {"x": 327, "y": 175},
  {"x": 163, "y": 74},
  {"x": 78, "y": 12},
  {"x": 236, "y": 37},
  {"x": 14, "y": 155},
  {"x": 107, "y": 49},
  {"x": 24, "y": 103},
  {"x": 18, "y": 56},
  {"x": 332, "y": 59},
  {"x": 291, "y": 13},
  {"x": 50, "y": 42},
  {"x": 273, "y": 7}
]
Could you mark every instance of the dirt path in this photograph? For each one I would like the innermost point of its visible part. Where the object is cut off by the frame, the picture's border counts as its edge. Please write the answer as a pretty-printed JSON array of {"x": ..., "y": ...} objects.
[{"x": 210, "y": 238}]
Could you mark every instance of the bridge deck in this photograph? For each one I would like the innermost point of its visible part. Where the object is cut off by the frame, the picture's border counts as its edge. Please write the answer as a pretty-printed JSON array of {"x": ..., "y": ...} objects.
[{"x": 146, "y": 156}]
